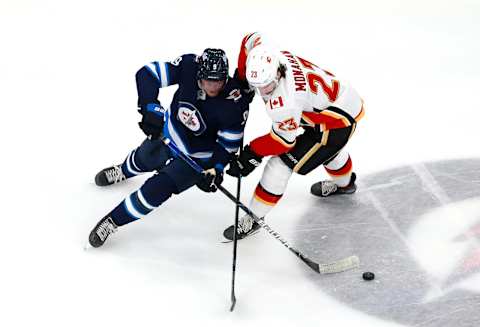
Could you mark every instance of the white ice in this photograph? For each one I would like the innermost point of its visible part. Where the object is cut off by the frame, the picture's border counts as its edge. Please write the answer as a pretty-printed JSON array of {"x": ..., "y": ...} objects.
[{"x": 68, "y": 102}]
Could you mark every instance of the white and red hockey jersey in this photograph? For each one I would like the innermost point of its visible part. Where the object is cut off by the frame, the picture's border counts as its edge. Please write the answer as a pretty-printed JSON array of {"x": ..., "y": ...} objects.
[{"x": 307, "y": 96}]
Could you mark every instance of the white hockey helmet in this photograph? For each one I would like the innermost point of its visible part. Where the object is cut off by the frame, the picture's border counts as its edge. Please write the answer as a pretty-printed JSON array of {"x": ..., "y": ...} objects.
[{"x": 262, "y": 66}]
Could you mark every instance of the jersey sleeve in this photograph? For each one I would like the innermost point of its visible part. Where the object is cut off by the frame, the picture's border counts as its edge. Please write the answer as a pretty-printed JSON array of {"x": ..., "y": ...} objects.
[
  {"x": 228, "y": 142},
  {"x": 282, "y": 136},
  {"x": 248, "y": 43},
  {"x": 155, "y": 75},
  {"x": 230, "y": 138}
]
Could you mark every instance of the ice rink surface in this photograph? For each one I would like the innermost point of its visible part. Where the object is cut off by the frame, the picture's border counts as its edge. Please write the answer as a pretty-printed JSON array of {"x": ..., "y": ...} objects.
[{"x": 68, "y": 103}]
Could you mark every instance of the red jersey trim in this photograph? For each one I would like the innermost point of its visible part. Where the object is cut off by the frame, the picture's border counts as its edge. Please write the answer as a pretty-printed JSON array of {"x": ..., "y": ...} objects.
[{"x": 270, "y": 145}]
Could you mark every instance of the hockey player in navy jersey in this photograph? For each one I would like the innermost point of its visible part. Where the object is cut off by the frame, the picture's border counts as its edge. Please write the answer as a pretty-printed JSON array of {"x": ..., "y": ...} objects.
[{"x": 205, "y": 120}]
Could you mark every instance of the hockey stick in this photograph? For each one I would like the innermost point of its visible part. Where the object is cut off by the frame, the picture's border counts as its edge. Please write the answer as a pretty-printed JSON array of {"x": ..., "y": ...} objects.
[
  {"x": 235, "y": 226},
  {"x": 321, "y": 268}
]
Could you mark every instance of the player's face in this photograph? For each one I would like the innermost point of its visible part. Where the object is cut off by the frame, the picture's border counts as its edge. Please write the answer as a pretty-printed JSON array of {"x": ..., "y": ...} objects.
[{"x": 212, "y": 88}]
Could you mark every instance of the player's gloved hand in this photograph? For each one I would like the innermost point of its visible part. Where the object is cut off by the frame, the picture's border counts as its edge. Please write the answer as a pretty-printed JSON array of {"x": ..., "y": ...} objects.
[
  {"x": 249, "y": 91},
  {"x": 210, "y": 179},
  {"x": 245, "y": 163},
  {"x": 152, "y": 120}
]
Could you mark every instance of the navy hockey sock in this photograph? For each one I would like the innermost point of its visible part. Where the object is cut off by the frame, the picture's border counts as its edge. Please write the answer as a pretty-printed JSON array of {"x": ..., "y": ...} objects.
[
  {"x": 132, "y": 167},
  {"x": 152, "y": 194}
]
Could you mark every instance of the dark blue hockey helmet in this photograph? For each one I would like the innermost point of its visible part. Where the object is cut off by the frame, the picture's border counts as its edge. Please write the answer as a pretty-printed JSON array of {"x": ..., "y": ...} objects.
[{"x": 213, "y": 65}]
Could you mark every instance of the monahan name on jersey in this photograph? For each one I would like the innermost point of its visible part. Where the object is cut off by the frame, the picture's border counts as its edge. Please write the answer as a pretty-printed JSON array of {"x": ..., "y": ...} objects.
[{"x": 308, "y": 96}]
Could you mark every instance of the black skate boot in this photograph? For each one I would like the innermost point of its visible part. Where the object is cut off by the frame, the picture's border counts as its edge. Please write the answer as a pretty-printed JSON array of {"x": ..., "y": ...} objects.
[
  {"x": 101, "y": 231},
  {"x": 246, "y": 227},
  {"x": 109, "y": 176},
  {"x": 327, "y": 188}
]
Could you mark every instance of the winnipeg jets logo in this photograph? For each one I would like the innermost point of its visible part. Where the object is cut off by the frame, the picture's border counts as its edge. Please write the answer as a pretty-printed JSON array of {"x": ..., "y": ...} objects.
[
  {"x": 421, "y": 237},
  {"x": 191, "y": 118},
  {"x": 471, "y": 262},
  {"x": 452, "y": 253}
]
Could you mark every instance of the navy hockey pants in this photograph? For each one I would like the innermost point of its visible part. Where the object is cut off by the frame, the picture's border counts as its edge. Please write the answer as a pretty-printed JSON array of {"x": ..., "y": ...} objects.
[{"x": 172, "y": 176}]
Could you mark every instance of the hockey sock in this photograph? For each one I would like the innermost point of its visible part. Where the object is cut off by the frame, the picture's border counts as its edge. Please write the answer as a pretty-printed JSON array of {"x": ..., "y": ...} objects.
[
  {"x": 156, "y": 190},
  {"x": 340, "y": 169},
  {"x": 131, "y": 166},
  {"x": 263, "y": 201}
]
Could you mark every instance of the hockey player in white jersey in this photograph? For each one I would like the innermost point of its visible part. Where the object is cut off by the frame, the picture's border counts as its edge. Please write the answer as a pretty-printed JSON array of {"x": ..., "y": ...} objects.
[{"x": 298, "y": 95}]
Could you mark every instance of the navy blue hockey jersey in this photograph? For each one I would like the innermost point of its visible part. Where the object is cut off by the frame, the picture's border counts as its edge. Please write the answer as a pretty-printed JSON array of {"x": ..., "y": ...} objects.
[{"x": 200, "y": 126}]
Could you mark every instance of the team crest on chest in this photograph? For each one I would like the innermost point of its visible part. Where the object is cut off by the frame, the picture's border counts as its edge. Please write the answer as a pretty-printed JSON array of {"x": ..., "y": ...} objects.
[
  {"x": 288, "y": 125},
  {"x": 192, "y": 119}
]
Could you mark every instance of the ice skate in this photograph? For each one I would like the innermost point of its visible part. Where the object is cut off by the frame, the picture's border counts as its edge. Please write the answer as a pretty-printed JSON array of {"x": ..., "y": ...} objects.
[
  {"x": 246, "y": 227},
  {"x": 109, "y": 176},
  {"x": 328, "y": 188},
  {"x": 101, "y": 231}
]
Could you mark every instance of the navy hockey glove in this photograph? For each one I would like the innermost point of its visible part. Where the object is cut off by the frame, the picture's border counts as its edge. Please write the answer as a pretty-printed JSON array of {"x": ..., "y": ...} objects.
[
  {"x": 210, "y": 179},
  {"x": 152, "y": 120},
  {"x": 248, "y": 91},
  {"x": 246, "y": 162}
]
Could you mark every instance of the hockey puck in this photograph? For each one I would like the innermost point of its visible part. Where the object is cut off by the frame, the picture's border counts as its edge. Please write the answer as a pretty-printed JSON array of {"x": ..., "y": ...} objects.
[{"x": 368, "y": 275}]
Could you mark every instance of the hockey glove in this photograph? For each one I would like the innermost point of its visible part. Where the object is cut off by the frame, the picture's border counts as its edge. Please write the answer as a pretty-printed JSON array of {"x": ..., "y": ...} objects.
[
  {"x": 210, "y": 179},
  {"x": 248, "y": 90},
  {"x": 245, "y": 163},
  {"x": 152, "y": 120}
]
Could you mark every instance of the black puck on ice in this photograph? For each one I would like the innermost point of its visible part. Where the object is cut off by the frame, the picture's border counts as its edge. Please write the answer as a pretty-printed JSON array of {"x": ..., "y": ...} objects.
[{"x": 368, "y": 275}]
